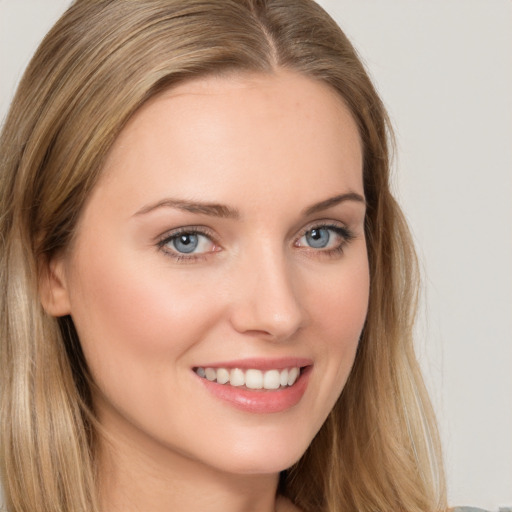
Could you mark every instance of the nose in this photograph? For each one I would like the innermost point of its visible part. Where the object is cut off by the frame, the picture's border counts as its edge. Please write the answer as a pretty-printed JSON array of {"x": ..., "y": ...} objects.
[{"x": 267, "y": 298}]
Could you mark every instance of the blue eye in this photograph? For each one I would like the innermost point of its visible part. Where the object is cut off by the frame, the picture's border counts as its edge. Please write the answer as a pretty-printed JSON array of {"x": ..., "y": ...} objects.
[
  {"x": 318, "y": 238},
  {"x": 185, "y": 242},
  {"x": 325, "y": 239}
]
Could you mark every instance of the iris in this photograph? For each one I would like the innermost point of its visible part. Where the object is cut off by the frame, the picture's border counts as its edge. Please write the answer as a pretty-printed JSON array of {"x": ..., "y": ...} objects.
[
  {"x": 186, "y": 242},
  {"x": 318, "y": 238}
]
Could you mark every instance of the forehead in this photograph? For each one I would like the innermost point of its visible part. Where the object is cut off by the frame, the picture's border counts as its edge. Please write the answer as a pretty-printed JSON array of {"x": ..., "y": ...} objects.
[{"x": 240, "y": 130}]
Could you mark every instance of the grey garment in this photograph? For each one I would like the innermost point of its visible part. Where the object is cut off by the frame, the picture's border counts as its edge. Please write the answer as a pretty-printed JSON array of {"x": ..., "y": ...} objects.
[
  {"x": 474, "y": 509},
  {"x": 468, "y": 509}
]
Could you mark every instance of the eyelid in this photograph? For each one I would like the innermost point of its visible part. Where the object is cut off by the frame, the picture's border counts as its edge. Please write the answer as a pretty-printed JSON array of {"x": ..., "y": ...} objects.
[
  {"x": 341, "y": 230},
  {"x": 199, "y": 230},
  {"x": 165, "y": 238},
  {"x": 339, "y": 227}
]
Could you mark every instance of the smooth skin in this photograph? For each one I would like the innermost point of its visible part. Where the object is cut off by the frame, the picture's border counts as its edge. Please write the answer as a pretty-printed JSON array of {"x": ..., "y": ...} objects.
[{"x": 258, "y": 281}]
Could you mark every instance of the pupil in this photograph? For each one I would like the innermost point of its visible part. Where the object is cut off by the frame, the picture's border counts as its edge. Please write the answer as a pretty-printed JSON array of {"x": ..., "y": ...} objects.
[
  {"x": 186, "y": 242},
  {"x": 318, "y": 238}
]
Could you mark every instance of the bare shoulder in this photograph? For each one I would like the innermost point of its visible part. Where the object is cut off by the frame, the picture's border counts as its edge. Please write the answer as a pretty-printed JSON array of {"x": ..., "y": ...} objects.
[{"x": 285, "y": 505}]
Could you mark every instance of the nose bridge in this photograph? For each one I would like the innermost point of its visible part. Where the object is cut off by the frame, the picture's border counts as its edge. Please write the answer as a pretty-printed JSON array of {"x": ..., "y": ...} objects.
[{"x": 268, "y": 301}]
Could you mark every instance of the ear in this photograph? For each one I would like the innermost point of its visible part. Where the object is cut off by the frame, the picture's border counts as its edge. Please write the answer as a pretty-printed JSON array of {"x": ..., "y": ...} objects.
[{"x": 53, "y": 291}]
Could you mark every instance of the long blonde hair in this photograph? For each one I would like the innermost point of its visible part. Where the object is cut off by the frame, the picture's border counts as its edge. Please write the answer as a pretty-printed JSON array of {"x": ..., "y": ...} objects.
[{"x": 379, "y": 448}]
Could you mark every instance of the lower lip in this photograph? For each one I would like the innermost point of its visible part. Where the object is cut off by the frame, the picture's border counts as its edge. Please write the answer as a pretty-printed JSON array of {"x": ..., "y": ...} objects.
[{"x": 260, "y": 401}]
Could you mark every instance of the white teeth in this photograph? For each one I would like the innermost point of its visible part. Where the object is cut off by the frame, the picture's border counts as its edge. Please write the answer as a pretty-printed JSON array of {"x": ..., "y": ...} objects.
[
  {"x": 292, "y": 376},
  {"x": 237, "y": 377},
  {"x": 222, "y": 376},
  {"x": 254, "y": 379},
  {"x": 211, "y": 374},
  {"x": 251, "y": 378},
  {"x": 271, "y": 379}
]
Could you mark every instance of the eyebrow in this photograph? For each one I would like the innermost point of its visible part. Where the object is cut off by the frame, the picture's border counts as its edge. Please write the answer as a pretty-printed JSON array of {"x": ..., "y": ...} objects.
[
  {"x": 333, "y": 201},
  {"x": 211, "y": 209},
  {"x": 227, "y": 212}
]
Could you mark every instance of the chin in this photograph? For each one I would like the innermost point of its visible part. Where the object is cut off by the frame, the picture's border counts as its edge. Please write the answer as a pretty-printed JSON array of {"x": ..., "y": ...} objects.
[
  {"x": 265, "y": 455},
  {"x": 255, "y": 466}
]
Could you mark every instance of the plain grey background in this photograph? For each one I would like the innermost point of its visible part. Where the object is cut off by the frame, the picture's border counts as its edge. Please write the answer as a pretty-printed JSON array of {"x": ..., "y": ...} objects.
[{"x": 444, "y": 70}]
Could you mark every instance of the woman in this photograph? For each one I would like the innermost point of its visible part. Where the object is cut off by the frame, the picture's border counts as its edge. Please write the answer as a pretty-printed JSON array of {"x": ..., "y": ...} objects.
[{"x": 197, "y": 228}]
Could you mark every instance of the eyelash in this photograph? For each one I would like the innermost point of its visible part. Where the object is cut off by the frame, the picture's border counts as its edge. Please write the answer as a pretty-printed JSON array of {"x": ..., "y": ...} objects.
[
  {"x": 189, "y": 230},
  {"x": 343, "y": 232}
]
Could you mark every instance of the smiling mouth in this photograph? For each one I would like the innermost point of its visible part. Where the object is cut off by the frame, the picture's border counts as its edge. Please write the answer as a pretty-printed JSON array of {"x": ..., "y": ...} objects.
[{"x": 251, "y": 378}]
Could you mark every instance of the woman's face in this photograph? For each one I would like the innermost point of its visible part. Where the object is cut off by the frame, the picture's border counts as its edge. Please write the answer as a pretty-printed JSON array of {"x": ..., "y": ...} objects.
[{"x": 223, "y": 250}]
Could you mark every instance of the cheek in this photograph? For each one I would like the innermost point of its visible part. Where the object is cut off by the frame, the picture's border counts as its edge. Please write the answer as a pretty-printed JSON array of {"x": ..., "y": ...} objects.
[
  {"x": 127, "y": 314},
  {"x": 341, "y": 301},
  {"x": 339, "y": 307}
]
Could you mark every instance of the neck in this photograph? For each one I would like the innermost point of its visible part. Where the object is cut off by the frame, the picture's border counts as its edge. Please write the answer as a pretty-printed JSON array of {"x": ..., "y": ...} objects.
[{"x": 136, "y": 476}]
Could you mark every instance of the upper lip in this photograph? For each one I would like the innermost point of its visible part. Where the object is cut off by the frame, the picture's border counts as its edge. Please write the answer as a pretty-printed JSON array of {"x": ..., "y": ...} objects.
[{"x": 260, "y": 363}]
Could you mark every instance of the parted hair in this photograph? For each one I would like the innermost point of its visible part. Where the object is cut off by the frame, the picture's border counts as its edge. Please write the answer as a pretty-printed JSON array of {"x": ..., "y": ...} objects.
[{"x": 379, "y": 449}]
